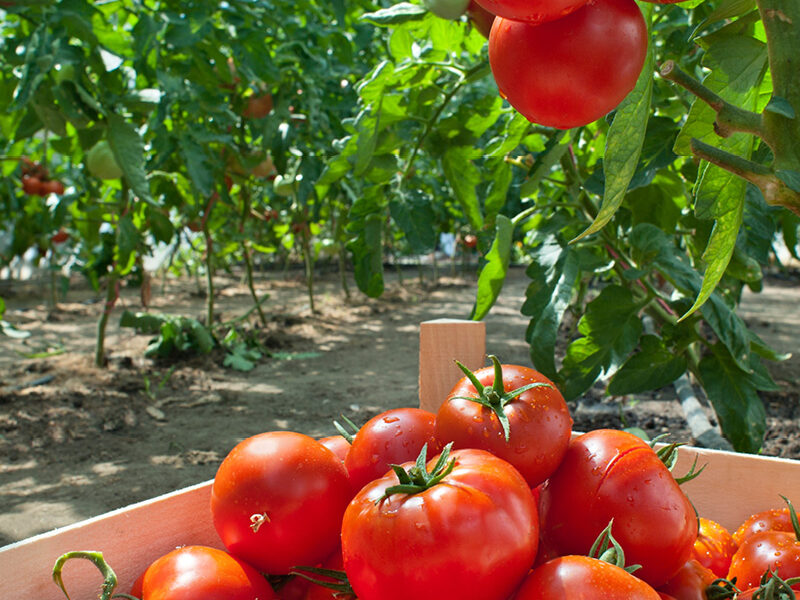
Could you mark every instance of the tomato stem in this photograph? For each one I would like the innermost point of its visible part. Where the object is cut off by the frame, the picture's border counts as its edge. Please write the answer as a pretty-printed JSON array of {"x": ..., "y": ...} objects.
[
  {"x": 109, "y": 577},
  {"x": 417, "y": 479}
]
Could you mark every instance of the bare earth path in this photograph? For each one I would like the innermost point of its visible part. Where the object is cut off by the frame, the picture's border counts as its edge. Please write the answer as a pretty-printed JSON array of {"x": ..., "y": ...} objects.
[{"x": 91, "y": 440}]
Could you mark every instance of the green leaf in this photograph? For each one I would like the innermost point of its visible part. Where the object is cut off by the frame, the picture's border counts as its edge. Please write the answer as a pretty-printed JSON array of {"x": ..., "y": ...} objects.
[
  {"x": 128, "y": 239},
  {"x": 367, "y": 251},
  {"x": 128, "y": 148},
  {"x": 400, "y": 13},
  {"x": 733, "y": 394},
  {"x": 463, "y": 177},
  {"x": 790, "y": 178},
  {"x": 653, "y": 367},
  {"x": 413, "y": 213},
  {"x": 493, "y": 273},
  {"x": 611, "y": 328},
  {"x": 557, "y": 145},
  {"x": 624, "y": 145},
  {"x": 554, "y": 274}
]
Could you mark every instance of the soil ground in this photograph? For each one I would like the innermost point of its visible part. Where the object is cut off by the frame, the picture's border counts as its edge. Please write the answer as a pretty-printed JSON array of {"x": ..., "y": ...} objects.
[{"x": 83, "y": 441}]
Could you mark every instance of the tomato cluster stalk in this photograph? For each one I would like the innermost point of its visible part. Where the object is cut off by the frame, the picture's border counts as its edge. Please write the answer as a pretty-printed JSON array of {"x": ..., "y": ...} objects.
[{"x": 778, "y": 125}]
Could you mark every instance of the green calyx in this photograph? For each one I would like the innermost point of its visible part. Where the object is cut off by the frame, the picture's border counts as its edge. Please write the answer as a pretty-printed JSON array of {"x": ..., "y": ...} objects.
[
  {"x": 793, "y": 517},
  {"x": 109, "y": 577},
  {"x": 771, "y": 587},
  {"x": 495, "y": 397},
  {"x": 417, "y": 479},
  {"x": 607, "y": 549}
]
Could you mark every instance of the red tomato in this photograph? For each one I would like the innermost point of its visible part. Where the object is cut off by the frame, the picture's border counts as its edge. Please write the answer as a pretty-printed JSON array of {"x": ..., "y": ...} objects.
[
  {"x": 258, "y": 106},
  {"x": 714, "y": 547},
  {"x": 532, "y": 11},
  {"x": 31, "y": 185},
  {"x": 392, "y": 437},
  {"x": 664, "y": 596},
  {"x": 472, "y": 536},
  {"x": 336, "y": 444},
  {"x": 609, "y": 474},
  {"x": 583, "y": 577},
  {"x": 52, "y": 186},
  {"x": 777, "y": 551},
  {"x": 539, "y": 423},
  {"x": 320, "y": 592},
  {"x": 201, "y": 572},
  {"x": 774, "y": 519},
  {"x": 480, "y": 18},
  {"x": 690, "y": 582},
  {"x": 277, "y": 501},
  {"x": 575, "y": 69},
  {"x": 59, "y": 237}
]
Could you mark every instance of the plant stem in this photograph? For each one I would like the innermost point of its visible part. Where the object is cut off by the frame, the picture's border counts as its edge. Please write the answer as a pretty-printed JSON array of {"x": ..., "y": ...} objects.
[
  {"x": 730, "y": 118},
  {"x": 248, "y": 261}
]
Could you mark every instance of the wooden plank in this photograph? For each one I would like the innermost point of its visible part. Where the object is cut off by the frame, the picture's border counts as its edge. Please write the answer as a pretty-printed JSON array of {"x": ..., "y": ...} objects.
[
  {"x": 129, "y": 538},
  {"x": 441, "y": 342}
]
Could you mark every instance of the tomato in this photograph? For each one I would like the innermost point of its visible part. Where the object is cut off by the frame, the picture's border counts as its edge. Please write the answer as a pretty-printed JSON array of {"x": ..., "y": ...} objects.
[
  {"x": 336, "y": 444},
  {"x": 470, "y": 535},
  {"x": 774, "y": 519},
  {"x": 583, "y": 577},
  {"x": 470, "y": 241},
  {"x": 575, "y": 69},
  {"x": 321, "y": 592},
  {"x": 52, "y": 186},
  {"x": 59, "y": 237},
  {"x": 532, "y": 11},
  {"x": 102, "y": 163},
  {"x": 392, "y": 437},
  {"x": 31, "y": 185},
  {"x": 480, "y": 18},
  {"x": 690, "y": 582},
  {"x": 538, "y": 426},
  {"x": 609, "y": 474},
  {"x": 277, "y": 501},
  {"x": 201, "y": 572},
  {"x": 767, "y": 550},
  {"x": 258, "y": 106},
  {"x": 714, "y": 547},
  {"x": 447, "y": 9}
]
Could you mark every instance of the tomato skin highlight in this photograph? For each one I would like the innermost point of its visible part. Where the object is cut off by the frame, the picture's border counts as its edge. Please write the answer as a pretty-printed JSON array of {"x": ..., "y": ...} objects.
[
  {"x": 539, "y": 422},
  {"x": 395, "y": 436},
  {"x": 277, "y": 501},
  {"x": 583, "y": 578},
  {"x": 473, "y": 536},
  {"x": 774, "y": 519},
  {"x": 574, "y": 70},
  {"x": 532, "y": 11},
  {"x": 774, "y": 550},
  {"x": 609, "y": 474},
  {"x": 714, "y": 547},
  {"x": 201, "y": 572}
]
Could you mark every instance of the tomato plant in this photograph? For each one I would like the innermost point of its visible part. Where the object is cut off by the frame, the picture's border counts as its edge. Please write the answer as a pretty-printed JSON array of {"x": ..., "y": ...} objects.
[
  {"x": 395, "y": 436},
  {"x": 576, "y": 68},
  {"x": 609, "y": 474},
  {"x": 277, "y": 501},
  {"x": 201, "y": 572},
  {"x": 503, "y": 409},
  {"x": 463, "y": 525}
]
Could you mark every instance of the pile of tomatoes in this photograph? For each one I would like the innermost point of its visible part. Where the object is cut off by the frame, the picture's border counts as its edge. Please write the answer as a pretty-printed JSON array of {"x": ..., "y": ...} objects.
[
  {"x": 490, "y": 498},
  {"x": 562, "y": 63},
  {"x": 36, "y": 179}
]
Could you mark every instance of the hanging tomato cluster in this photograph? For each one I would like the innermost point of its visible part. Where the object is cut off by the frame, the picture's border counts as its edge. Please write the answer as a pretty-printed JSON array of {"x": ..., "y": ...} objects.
[
  {"x": 566, "y": 63},
  {"x": 36, "y": 179}
]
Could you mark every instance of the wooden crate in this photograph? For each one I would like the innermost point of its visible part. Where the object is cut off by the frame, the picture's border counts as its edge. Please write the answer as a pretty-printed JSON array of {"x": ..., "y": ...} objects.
[{"x": 732, "y": 487}]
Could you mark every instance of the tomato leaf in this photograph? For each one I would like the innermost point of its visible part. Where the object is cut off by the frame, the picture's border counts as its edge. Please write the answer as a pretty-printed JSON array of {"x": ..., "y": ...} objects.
[
  {"x": 463, "y": 177},
  {"x": 624, "y": 144},
  {"x": 414, "y": 215},
  {"x": 554, "y": 273},
  {"x": 128, "y": 148},
  {"x": 493, "y": 273},
  {"x": 611, "y": 328},
  {"x": 400, "y": 13},
  {"x": 733, "y": 394},
  {"x": 367, "y": 250},
  {"x": 653, "y": 367}
]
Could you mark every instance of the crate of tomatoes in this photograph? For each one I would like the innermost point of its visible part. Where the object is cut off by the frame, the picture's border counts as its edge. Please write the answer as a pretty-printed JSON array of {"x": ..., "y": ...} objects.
[{"x": 484, "y": 492}]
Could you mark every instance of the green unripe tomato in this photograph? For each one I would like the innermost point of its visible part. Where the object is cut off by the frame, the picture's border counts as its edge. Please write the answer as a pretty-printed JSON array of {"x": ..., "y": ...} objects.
[
  {"x": 101, "y": 162},
  {"x": 447, "y": 9}
]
